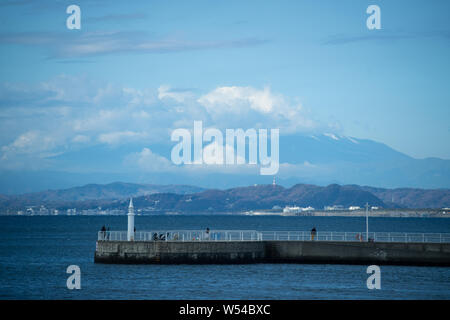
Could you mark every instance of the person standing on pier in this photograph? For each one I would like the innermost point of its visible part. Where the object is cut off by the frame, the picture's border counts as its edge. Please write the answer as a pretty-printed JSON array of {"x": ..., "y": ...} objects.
[
  {"x": 313, "y": 233},
  {"x": 103, "y": 230}
]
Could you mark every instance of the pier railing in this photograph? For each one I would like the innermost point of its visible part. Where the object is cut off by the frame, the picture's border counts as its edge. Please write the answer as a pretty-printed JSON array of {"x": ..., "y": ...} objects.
[
  {"x": 252, "y": 235},
  {"x": 355, "y": 236},
  {"x": 183, "y": 235}
]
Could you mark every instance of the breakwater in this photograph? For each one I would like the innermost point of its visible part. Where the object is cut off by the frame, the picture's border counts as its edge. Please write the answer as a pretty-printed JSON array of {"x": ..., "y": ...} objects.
[{"x": 272, "y": 251}]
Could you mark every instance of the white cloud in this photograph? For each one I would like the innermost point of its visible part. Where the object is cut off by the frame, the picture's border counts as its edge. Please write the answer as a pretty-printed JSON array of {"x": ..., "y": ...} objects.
[
  {"x": 353, "y": 140},
  {"x": 148, "y": 161},
  {"x": 180, "y": 96},
  {"x": 332, "y": 136},
  {"x": 81, "y": 138},
  {"x": 214, "y": 153},
  {"x": 120, "y": 137},
  {"x": 31, "y": 150},
  {"x": 61, "y": 45},
  {"x": 30, "y": 142},
  {"x": 256, "y": 107},
  {"x": 66, "y": 113},
  {"x": 237, "y": 99},
  {"x": 141, "y": 98}
]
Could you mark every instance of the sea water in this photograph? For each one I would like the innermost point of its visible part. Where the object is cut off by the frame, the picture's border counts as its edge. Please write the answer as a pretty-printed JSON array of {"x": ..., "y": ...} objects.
[{"x": 35, "y": 252}]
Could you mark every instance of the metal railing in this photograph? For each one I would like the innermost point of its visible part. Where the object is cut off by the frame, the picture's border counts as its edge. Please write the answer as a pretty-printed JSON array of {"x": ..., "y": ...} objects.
[
  {"x": 252, "y": 235},
  {"x": 356, "y": 236},
  {"x": 183, "y": 235}
]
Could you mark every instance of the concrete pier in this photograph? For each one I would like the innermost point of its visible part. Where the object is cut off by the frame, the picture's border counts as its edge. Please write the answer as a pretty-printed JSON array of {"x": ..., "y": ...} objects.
[
  {"x": 226, "y": 252},
  {"x": 178, "y": 252},
  {"x": 341, "y": 252}
]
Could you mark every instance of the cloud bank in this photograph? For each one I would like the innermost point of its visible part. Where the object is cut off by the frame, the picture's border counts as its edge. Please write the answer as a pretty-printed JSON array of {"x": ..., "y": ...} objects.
[
  {"x": 67, "y": 113},
  {"x": 63, "y": 45}
]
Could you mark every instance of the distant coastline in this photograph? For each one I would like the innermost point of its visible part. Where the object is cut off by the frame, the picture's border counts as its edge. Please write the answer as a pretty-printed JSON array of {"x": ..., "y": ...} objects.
[
  {"x": 386, "y": 213},
  {"x": 390, "y": 213},
  {"x": 298, "y": 200}
]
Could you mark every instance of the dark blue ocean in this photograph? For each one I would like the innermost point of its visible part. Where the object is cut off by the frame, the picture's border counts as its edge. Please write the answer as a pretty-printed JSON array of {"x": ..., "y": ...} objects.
[{"x": 36, "y": 251}]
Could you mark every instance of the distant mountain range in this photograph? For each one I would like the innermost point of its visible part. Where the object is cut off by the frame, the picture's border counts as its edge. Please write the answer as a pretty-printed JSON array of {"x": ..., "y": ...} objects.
[
  {"x": 412, "y": 198},
  {"x": 111, "y": 191},
  {"x": 185, "y": 198},
  {"x": 258, "y": 198},
  {"x": 343, "y": 160}
]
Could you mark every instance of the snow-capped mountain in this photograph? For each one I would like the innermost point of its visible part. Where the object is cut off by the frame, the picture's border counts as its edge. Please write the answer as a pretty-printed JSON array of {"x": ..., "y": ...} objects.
[{"x": 320, "y": 159}]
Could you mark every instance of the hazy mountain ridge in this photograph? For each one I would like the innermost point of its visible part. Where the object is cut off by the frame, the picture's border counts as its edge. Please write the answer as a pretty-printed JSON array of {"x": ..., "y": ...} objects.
[
  {"x": 184, "y": 198},
  {"x": 347, "y": 160},
  {"x": 321, "y": 159},
  {"x": 111, "y": 191},
  {"x": 259, "y": 198},
  {"x": 412, "y": 198}
]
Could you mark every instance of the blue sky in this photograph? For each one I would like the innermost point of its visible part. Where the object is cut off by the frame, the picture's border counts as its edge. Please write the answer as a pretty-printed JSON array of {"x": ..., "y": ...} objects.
[{"x": 137, "y": 69}]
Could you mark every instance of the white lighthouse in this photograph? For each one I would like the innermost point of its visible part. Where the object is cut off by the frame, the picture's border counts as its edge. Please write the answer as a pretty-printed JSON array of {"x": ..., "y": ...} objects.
[{"x": 130, "y": 235}]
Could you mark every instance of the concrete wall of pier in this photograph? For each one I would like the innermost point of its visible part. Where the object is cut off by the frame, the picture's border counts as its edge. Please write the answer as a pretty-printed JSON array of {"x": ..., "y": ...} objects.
[
  {"x": 180, "y": 252},
  {"x": 338, "y": 252}
]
